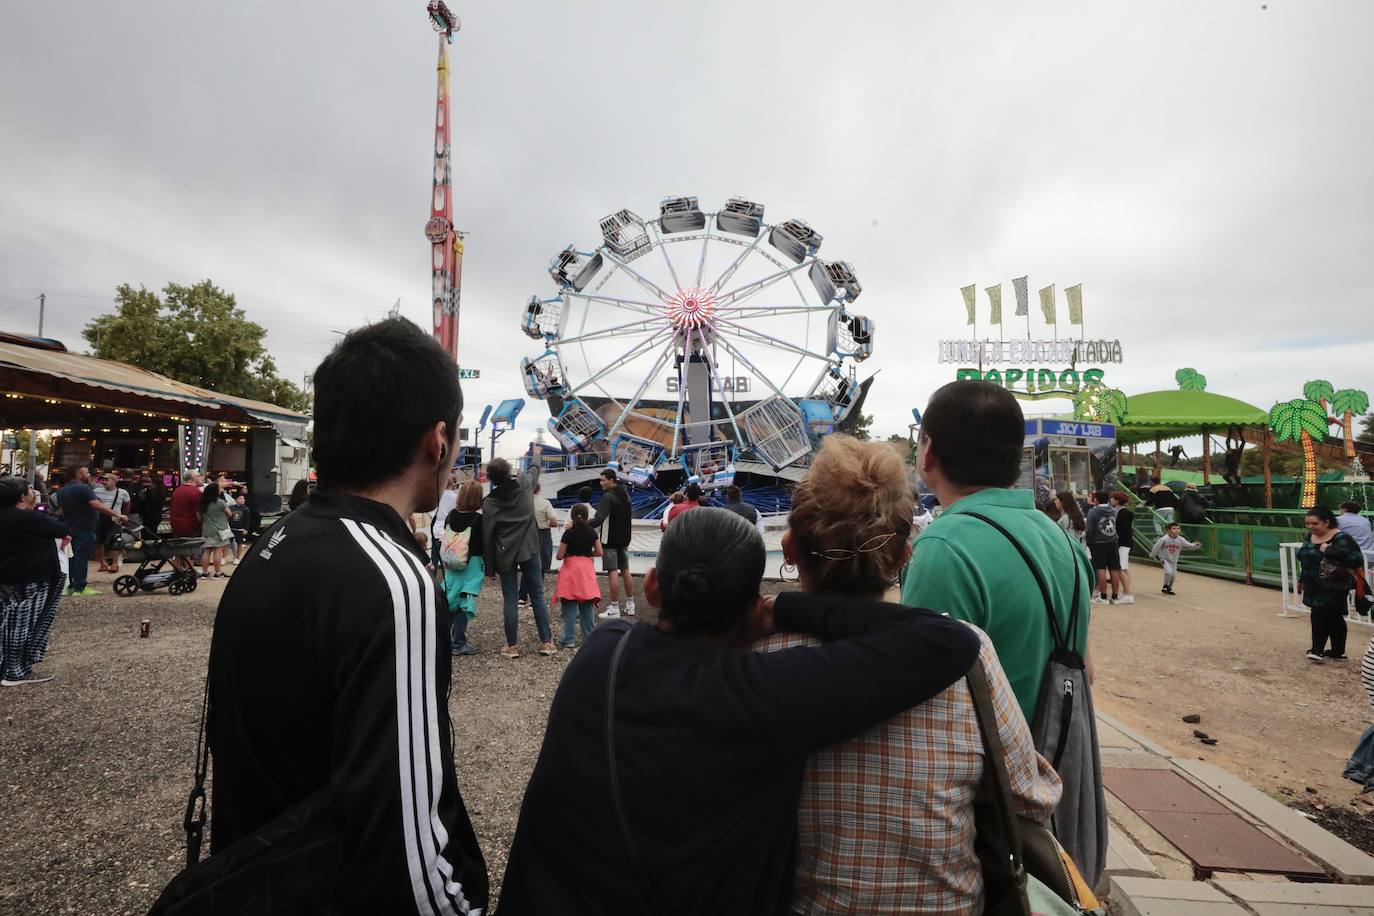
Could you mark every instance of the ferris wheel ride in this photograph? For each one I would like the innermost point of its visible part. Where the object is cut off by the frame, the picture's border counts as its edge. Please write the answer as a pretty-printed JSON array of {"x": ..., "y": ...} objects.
[{"x": 697, "y": 339}]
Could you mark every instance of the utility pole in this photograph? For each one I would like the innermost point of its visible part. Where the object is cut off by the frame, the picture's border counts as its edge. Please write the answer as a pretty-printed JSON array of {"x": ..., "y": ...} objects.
[{"x": 33, "y": 433}]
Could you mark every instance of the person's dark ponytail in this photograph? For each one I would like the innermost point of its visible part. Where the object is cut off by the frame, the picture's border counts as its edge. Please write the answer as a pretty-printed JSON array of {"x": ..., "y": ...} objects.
[{"x": 710, "y": 564}]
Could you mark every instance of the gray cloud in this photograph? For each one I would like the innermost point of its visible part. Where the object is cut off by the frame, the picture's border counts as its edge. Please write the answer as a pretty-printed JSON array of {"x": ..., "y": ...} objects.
[{"x": 1202, "y": 170}]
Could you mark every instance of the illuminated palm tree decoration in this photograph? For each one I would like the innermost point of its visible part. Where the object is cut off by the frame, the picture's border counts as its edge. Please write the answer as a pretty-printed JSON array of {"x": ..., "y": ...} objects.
[
  {"x": 1318, "y": 390},
  {"x": 1301, "y": 420},
  {"x": 1345, "y": 404},
  {"x": 1100, "y": 404},
  {"x": 1190, "y": 380}
]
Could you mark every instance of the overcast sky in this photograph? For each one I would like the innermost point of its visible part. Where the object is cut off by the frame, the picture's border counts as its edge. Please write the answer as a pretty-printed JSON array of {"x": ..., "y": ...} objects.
[{"x": 1203, "y": 169}]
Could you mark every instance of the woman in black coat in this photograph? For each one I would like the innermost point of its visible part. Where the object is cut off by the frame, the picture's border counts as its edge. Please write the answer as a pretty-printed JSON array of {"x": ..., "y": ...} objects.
[{"x": 30, "y": 580}]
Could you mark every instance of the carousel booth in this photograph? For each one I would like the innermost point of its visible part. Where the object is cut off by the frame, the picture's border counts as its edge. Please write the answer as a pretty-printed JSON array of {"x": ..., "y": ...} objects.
[{"x": 1068, "y": 455}]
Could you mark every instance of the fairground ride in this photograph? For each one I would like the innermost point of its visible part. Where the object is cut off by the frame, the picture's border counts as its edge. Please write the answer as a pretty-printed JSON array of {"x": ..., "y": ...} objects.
[{"x": 697, "y": 344}]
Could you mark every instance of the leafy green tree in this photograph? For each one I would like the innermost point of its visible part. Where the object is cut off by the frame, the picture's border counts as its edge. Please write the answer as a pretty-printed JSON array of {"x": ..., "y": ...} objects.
[
  {"x": 1367, "y": 434},
  {"x": 862, "y": 426},
  {"x": 1190, "y": 380},
  {"x": 1301, "y": 420},
  {"x": 1345, "y": 404},
  {"x": 194, "y": 334}
]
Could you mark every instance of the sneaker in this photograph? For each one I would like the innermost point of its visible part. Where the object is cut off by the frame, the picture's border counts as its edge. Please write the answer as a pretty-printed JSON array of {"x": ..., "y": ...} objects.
[
  {"x": 466, "y": 649},
  {"x": 30, "y": 679},
  {"x": 630, "y": 607},
  {"x": 510, "y": 651},
  {"x": 524, "y": 603},
  {"x": 88, "y": 592},
  {"x": 1334, "y": 657},
  {"x": 567, "y": 645},
  {"x": 1166, "y": 591},
  {"x": 1316, "y": 657},
  {"x": 1098, "y": 599},
  {"x": 1126, "y": 599},
  {"x": 221, "y": 575},
  {"x": 235, "y": 561},
  {"x": 548, "y": 648},
  {"x": 205, "y": 575},
  {"x": 612, "y": 611}
]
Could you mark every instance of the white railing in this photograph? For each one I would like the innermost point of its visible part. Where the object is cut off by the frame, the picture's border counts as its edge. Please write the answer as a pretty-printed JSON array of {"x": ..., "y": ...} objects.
[{"x": 1290, "y": 571}]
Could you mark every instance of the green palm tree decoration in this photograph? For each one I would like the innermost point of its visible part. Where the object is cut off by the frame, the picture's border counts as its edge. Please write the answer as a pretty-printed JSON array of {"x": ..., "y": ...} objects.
[
  {"x": 1100, "y": 404},
  {"x": 1345, "y": 404},
  {"x": 1190, "y": 380},
  {"x": 1318, "y": 390},
  {"x": 1301, "y": 420}
]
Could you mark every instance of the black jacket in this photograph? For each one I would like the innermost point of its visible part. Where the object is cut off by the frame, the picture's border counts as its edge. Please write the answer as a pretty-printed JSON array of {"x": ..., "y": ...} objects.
[
  {"x": 330, "y": 667},
  {"x": 615, "y": 505},
  {"x": 711, "y": 745},
  {"x": 509, "y": 534},
  {"x": 27, "y": 551}
]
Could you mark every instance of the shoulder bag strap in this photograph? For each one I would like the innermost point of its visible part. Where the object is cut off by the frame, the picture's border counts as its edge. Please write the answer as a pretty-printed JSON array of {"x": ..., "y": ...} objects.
[
  {"x": 998, "y": 786},
  {"x": 196, "y": 812},
  {"x": 631, "y": 850},
  {"x": 1060, "y": 644}
]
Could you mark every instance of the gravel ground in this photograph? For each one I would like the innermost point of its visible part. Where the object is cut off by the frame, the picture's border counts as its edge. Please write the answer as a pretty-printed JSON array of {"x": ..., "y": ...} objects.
[{"x": 97, "y": 763}]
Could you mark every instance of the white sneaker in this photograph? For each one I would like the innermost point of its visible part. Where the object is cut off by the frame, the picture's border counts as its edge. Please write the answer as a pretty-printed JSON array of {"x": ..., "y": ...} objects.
[
  {"x": 1098, "y": 599},
  {"x": 28, "y": 679},
  {"x": 612, "y": 611},
  {"x": 630, "y": 607},
  {"x": 1126, "y": 599}
]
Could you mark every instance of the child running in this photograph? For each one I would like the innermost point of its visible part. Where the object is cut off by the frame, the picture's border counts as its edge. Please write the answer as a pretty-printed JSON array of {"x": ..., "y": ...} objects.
[
  {"x": 577, "y": 591},
  {"x": 1166, "y": 550}
]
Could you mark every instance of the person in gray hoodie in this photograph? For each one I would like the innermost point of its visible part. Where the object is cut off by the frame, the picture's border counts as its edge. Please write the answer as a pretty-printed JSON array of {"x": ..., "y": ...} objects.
[{"x": 512, "y": 547}]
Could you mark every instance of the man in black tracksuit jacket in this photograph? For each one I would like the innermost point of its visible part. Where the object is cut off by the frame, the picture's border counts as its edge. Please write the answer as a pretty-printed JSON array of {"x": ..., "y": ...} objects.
[{"x": 330, "y": 664}]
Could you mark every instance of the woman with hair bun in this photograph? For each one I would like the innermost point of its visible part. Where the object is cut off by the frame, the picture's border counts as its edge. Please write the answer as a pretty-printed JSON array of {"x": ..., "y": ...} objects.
[
  {"x": 899, "y": 797},
  {"x": 673, "y": 758}
]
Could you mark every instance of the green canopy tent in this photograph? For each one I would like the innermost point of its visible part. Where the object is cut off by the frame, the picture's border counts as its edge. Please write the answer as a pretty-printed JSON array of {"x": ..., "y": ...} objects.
[{"x": 1160, "y": 415}]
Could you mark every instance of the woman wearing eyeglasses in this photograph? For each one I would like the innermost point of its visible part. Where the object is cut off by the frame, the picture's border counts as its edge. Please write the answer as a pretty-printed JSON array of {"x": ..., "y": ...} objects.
[{"x": 885, "y": 821}]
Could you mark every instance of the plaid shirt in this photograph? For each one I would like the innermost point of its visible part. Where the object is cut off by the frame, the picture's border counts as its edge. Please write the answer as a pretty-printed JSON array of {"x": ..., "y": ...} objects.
[{"x": 885, "y": 820}]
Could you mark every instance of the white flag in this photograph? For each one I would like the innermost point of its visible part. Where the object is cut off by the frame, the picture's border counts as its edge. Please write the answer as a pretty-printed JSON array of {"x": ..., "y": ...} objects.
[
  {"x": 1022, "y": 298},
  {"x": 970, "y": 302}
]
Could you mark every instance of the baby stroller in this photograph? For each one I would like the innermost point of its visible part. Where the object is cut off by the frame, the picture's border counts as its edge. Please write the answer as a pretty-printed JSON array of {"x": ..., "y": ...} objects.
[{"x": 154, "y": 571}]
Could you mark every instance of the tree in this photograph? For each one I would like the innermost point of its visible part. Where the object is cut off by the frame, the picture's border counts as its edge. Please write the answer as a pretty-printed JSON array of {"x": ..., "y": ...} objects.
[
  {"x": 1367, "y": 435},
  {"x": 1190, "y": 380},
  {"x": 1301, "y": 420},
  {"x": 194, "y": 334},
  {"x": 1345, "y": 404},
  {"x": 902, "y": 446},
  {"x": 861, "y": 427}
]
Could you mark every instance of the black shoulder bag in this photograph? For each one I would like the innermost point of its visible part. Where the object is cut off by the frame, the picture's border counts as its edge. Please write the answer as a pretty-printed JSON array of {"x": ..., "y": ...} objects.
[{"x": 289, "y": 865}]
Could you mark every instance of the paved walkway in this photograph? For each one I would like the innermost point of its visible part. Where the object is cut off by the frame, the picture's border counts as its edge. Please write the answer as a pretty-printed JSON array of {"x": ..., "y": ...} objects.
[{"x": 1147, "y": 875}]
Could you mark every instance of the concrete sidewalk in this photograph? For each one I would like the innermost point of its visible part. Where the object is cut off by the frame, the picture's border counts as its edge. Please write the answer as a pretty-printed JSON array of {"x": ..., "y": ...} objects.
[{"x": 1147, "y": 875}]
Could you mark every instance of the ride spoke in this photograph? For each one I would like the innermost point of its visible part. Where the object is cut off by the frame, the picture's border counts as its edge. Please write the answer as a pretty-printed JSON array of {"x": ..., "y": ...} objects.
[
  {"x": 632, "y": 305},
  {"x": 701, "y": 264},
  {"x": 743, "y": 292},
  {"x": 734, "y": 265},
  {"x": 643, "y": 386},
  {"x": 613, "y": 331},
  {"x": 769, "y": 340},
  {"x": 633, "y": 353},
  {"x": 650, "y": 286},
  {"x": 667, "y": 260},
  {"x": 755, "y": 369},
  {"x": 715, "y": 374}
]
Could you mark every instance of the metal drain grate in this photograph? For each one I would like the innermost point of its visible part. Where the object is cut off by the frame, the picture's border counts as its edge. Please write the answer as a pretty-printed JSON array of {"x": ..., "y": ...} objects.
[{"x": 1211, "y": 835}]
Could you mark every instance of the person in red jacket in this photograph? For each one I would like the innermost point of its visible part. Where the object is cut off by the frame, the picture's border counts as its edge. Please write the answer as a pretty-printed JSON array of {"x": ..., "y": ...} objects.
[{"x": 184, "y": 513}]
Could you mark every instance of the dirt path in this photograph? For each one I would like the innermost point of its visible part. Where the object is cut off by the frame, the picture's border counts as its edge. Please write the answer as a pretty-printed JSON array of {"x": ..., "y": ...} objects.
[{"x": 1219, "y": 649}]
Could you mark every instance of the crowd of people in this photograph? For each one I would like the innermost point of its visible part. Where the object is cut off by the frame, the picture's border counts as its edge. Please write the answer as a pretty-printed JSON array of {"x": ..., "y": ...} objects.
[{"x": 739, "y": 753}]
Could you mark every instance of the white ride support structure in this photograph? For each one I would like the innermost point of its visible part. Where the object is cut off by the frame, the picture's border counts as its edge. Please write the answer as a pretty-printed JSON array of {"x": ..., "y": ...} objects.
[{"x": 696, "y": 340}]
